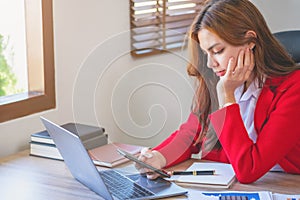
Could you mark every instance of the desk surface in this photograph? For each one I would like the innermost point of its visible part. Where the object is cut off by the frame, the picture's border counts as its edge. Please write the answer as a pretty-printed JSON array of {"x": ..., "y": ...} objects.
[{"x": 28, "y": 177}]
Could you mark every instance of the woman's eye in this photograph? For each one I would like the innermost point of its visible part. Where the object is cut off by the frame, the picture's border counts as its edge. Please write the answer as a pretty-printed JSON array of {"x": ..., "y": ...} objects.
[{"x": 218, "y": 52}]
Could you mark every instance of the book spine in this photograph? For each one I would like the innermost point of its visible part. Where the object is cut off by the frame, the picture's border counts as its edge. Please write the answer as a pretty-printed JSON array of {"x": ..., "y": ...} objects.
[{"x": 95, "y": 142}]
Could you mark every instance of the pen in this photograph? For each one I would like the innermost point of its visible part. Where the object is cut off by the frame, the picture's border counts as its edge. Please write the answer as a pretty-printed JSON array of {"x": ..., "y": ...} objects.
[{"x": 194, "y": 173}]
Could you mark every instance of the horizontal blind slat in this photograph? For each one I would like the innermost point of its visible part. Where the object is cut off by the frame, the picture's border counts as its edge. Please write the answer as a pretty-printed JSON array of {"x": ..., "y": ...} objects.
[
  {"x": 180, "y": 17},
  {"x": 150, "y": 22},
  {"x": 145, "y": 16},
  {"x": 144, "y": 30},
  {"x": 182, "y": 11},
  {"x": 157, "y": 35},
  {"x": 173, "y": 39},
  {"x": 177, "y": 24},
  {"x": 143, "y": 7},
  {"x": 147, "y": 44},
  {"x": 147, "y": 36},
  {"x": 141, "y": 1}
]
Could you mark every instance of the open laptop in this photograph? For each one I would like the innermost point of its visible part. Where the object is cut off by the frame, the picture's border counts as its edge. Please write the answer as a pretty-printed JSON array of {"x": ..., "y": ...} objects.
[{"x": 83, "y": 169}]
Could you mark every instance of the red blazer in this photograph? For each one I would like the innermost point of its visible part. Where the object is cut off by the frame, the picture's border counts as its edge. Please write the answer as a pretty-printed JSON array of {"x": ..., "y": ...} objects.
[{"x": 275, "y": 120}]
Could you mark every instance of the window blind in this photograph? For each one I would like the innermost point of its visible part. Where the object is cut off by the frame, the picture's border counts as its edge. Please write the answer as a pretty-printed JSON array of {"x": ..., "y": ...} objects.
[{"x": 160, "y": 25}]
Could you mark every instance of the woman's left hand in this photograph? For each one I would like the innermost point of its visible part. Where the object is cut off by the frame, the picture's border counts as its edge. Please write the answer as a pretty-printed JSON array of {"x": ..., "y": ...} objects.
[{"x": 237, "y": 73}]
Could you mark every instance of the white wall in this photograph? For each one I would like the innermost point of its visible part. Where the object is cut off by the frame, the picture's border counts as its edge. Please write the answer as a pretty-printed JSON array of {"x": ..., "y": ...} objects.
[
  {"x": 280, "y": 15},
  {"x": 138, "y": 101}
]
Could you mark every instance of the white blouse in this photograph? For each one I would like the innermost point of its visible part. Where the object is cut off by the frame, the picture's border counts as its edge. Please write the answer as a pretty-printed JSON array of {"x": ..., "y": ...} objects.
[{"x": 247, "y": 102}]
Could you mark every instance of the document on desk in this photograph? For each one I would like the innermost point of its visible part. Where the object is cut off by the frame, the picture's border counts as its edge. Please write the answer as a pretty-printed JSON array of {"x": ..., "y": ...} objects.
[
  {"x": 223, "y": 177},
  {"x": 242, "y": 195},
  {"x": 277, "y": 196}
]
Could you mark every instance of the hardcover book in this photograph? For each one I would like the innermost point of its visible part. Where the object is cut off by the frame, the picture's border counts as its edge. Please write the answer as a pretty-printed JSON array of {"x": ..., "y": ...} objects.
[{"x": 108, "y": 156}]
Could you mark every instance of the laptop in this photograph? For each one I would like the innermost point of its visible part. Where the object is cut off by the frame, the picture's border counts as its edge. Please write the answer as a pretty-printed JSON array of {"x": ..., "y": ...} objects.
[{"x": 108, "y": 183}]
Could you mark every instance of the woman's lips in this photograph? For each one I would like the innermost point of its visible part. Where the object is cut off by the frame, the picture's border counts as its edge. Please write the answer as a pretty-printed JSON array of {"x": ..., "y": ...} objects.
[{"x": 221, "y": 73}]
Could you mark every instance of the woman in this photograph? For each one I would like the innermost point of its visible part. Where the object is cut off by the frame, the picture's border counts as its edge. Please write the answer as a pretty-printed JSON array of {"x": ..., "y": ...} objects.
[{"x": 245, "y": 109}]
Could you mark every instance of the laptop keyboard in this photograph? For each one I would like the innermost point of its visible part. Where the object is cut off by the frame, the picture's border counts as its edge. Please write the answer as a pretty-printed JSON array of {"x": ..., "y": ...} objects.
[{"x": 122, "y": 187}]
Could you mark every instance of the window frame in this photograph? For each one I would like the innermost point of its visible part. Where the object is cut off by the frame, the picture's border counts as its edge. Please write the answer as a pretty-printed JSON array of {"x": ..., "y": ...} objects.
[{"x": 33, "y": 101}]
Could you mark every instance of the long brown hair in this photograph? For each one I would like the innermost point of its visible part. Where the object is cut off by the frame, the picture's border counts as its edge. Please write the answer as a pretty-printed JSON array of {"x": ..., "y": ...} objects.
[{"x": 230, "y": 20}]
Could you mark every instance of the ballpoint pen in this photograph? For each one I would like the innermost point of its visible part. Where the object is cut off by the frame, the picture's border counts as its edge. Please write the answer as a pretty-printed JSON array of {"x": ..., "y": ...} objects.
[{"x": 194, "y": 173}]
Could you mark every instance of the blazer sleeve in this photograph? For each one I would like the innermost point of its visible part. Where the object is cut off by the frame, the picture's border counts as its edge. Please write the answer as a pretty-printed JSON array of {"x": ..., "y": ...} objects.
[
  {"x": 276, "y": 139},
  {"x": 179, "y": 145}
]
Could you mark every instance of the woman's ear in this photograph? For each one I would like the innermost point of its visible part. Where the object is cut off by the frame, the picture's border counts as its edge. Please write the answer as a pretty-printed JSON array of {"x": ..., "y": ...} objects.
[{"x": 251, "y": 34}]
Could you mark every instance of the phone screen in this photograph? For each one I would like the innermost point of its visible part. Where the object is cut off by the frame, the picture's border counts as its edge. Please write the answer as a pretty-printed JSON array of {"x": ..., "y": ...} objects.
[{"x": 133, "y": 158}]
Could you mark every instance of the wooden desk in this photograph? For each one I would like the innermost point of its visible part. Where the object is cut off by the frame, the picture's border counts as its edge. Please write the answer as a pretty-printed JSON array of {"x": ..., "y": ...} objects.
[{"x": 31, "y": 178}]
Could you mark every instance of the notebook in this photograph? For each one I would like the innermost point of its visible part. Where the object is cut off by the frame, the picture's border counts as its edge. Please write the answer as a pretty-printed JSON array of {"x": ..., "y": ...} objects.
[
  {"x": 113, "y": 158},
  {"x": 223, "y": 178},
  {"x": 109, "y": 183}
]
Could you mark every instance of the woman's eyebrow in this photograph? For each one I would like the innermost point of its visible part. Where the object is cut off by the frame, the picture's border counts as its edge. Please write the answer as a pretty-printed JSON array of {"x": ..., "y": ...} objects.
[{"x": 212, "y": 46}]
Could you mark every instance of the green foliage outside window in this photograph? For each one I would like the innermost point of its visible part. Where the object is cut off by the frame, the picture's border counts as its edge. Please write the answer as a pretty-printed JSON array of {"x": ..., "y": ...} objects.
[{"x": 8, "y": 79}]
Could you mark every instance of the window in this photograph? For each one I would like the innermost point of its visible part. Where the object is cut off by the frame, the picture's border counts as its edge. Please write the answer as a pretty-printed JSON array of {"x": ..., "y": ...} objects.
[
  {"x": 160, "y": 25},
  {"x": 40, "y": 93},
  {"x": 13, "y": 66}
]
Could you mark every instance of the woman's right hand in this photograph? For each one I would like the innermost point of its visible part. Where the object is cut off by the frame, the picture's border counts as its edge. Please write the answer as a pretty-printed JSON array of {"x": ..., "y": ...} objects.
[{"x": 153, "y": 158}]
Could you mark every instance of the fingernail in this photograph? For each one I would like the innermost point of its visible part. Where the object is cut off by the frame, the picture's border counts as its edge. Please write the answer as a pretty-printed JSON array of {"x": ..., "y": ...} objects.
[
  {"x": 144, "y": 149},
  {"x": 147, "y": 155}
]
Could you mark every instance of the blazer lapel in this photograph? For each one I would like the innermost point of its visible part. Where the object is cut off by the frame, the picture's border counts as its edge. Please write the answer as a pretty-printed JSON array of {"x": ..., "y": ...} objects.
[{"x": 262, "y": 106}]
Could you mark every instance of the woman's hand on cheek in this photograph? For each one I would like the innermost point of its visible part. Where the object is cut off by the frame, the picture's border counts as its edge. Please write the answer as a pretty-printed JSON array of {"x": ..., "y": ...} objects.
[{"x": 237, "y": 73}]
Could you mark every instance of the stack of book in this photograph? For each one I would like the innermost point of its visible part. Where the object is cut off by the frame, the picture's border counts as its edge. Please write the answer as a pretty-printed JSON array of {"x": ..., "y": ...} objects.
[
  {"x": 42, "y": 145},
  {"x": 94, "y": 140}
]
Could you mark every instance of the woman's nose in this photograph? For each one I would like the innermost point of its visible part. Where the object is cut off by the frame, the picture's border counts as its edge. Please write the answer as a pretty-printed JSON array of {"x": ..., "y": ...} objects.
[{"x": 211, "y": 63}]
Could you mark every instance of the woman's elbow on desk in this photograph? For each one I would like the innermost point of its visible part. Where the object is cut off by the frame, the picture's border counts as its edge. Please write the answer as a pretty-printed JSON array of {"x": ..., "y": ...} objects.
[
  {"x": 247, "y": 176},
  {"x": 246, "y": 179}
]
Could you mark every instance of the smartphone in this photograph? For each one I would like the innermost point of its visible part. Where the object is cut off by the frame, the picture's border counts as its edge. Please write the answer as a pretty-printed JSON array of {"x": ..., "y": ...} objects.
[{"x": 135, "y": 159}]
